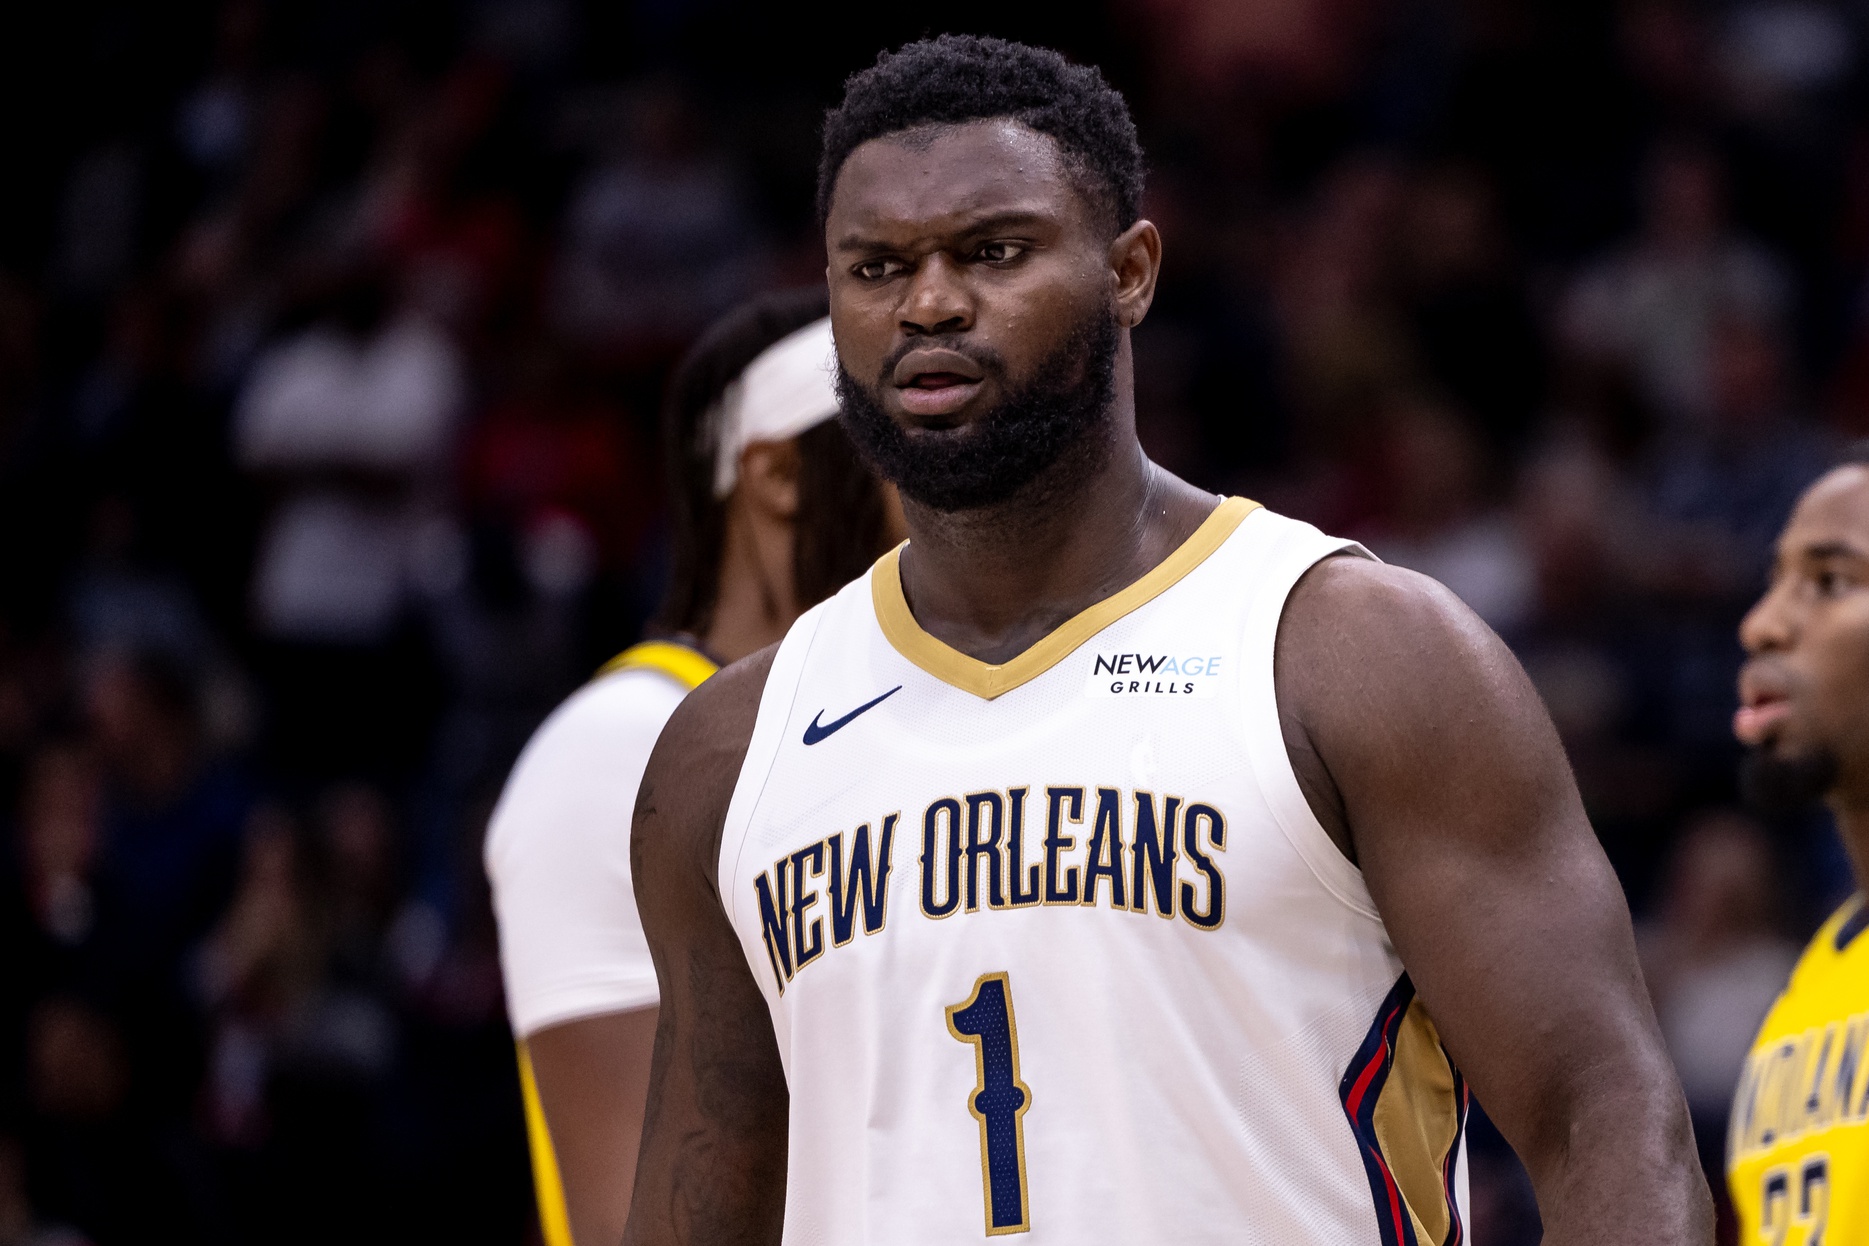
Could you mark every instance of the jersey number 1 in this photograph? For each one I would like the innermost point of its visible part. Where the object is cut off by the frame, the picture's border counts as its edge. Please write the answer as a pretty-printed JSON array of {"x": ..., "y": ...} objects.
[{"x": 999, "y": 1099}]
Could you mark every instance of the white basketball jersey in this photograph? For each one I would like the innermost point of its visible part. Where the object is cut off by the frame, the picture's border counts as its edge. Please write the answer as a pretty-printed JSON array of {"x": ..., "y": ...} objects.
[{"x": 1057, "y": 946}]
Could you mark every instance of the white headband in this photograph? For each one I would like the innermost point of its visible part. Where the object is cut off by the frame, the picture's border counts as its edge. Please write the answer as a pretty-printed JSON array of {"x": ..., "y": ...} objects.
[{"x": 783, "y": 392}]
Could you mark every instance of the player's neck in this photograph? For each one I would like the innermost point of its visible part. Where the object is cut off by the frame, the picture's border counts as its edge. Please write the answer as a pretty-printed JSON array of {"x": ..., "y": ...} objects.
[
  {"x": 994, "y": 581},
  {"x": 1851, "y": 811}
]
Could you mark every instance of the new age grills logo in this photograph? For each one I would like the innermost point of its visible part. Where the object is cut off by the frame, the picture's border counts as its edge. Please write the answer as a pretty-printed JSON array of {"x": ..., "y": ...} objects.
[{"x": 1154, "y": 675}]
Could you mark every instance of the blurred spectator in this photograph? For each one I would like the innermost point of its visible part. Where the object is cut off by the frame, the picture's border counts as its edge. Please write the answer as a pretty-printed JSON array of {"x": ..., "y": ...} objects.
[
  {"x": 658, "y": 236},
  {"x": 358, "y": 848},
  {"x": 173, "y": 815},
  {"x": 350, "y": 417},
  {"x": 1715, "y": 959},
  {"x": 1784, "y": 61},
  {"x": 20, "y": 1223},
  {"x": 59, "y": 827},
  {"x": 303, "y": 1035},
  {"x": 117, "y": 605},
  {"x": 214, "y": 125},
  {"x": 351, "y": 422},
  {"x": 1727, "y": 490},
  {"x": 1439, "y": 519},
  {"x": 1347, "y": 344},
  {"x": 1653, "y": 307},
  {"x": 1468, "y": 306},
  {"x": 94, "y": 1164},
  {"x": 256, "y": 971}
]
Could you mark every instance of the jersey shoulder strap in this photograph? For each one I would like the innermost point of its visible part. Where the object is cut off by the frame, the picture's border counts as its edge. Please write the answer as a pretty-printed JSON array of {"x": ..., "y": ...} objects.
[{"x": 687, "y": 667}]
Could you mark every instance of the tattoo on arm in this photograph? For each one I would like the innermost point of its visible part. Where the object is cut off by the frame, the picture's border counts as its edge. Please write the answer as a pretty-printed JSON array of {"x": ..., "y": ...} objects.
[{"x": 712, "y": 1170}]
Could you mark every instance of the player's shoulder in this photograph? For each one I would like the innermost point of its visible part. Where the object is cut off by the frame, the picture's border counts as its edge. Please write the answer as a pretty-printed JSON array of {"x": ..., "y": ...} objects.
[
  {"x": 698, "y": 756},
  {"x": 682, "y": 803},
  {"x": 1830, "y": 980},
  {"x": 721, "y": 711},
  {"x": 1375, "y": 636},
  {"x": 1835, "y": 962},
  {"x": 1352, "y": 595}
]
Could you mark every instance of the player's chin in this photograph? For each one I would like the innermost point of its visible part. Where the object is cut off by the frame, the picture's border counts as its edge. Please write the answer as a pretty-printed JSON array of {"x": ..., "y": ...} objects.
[
  {"x": 1783, "y": 774},
  {"x": 941, "y": 425}
]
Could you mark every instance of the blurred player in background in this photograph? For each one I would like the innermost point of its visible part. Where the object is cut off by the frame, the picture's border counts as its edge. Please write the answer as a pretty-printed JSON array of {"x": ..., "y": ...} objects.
[
  {"x": 1798, "y": 1141},
  {"x": 1269, "y": 847},
  {"x": 773, "y": 511}
]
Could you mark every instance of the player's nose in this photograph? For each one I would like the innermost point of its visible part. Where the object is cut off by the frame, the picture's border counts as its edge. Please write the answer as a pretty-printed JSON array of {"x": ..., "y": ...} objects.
[
  {"x": 1770, "y": 624},
  {"x": 937, "y": 300}
]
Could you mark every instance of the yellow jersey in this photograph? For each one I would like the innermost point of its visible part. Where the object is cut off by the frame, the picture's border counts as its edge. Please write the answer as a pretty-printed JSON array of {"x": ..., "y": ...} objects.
[{"x": 1797, "y": 1147}]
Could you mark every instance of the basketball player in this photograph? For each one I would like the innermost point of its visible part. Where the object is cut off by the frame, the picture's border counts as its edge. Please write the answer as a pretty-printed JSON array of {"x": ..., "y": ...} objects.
[
  {"x": 1797, "y": 1148},
  {"x": 773, "y": 511},
  {"x": 1113, "y": 863}
]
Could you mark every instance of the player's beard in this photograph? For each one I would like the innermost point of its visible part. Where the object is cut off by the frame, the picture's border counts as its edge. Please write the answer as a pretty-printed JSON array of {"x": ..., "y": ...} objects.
[
  {"x": 1777, "y": 785},
  {"x": 991, "y": 459}
]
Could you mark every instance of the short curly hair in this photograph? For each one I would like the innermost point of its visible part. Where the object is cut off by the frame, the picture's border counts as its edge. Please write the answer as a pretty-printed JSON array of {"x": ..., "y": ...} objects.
[{"x": 954, "y": 79}]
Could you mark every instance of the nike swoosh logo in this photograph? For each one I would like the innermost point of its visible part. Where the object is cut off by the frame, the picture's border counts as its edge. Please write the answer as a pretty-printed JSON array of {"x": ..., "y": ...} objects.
[{"x": 814, "y": 732}]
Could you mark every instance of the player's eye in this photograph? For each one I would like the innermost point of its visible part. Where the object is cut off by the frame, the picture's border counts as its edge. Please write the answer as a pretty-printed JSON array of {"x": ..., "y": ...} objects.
[
  {"x": 999, "y": 252},
  {"x": 1830, "y": 579},
  {"x": 878, "y": 269}
]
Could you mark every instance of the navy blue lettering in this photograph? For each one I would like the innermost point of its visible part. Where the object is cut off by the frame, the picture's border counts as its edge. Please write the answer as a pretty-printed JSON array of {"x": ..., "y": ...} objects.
[
  {"x": 931, "y": 866},
  {"x": 866, "y": 878},
  {"x": 1025, "y": 890},
  {"x": 1191, "y": 823},
  {"x": 774, "y": 919},
  {"x": 1060, "y": 884},
  {"x": 1103, "y": 856},
  {"x": 1153, "y": 855},
  {"x": 805, "y": 951},
  {"x": 985, "y": 816}
]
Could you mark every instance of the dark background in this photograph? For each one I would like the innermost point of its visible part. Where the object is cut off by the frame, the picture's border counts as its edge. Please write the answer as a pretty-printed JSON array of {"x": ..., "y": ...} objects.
[{"x": 331, "y": 336}]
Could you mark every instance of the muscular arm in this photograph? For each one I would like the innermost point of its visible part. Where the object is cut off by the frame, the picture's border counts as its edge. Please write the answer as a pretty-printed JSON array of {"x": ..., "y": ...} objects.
[
  {"x": 1430, "y": 759},
  {"x": 712, "y": 1168},
  {"x": 593, "y": 1075}
]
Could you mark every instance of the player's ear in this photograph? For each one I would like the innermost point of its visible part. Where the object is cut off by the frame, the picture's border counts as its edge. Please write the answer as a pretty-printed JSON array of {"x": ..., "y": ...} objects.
[
  {"x": 1135, "y": 263},
  {"x": 769, "y": 477}
]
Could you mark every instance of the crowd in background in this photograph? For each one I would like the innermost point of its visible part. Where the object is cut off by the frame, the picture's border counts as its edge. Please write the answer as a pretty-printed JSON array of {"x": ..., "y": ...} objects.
[{"x": 331, "y": 341}]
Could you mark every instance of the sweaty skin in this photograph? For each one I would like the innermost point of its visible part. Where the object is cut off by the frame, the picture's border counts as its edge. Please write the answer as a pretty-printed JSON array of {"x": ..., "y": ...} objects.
[{"x": 1417, "y": 738}]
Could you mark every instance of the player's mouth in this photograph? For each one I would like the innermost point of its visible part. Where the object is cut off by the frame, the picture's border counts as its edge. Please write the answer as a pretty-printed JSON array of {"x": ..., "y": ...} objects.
[
  {"x": 1764, "y": 705},
  {"x": 936, "y": 383}
]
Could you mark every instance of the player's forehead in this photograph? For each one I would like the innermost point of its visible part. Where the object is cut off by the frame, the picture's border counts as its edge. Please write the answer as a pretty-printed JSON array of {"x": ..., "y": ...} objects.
[
  {"x": 1831, "y": 517},
  {"x": 935, "y": 179}
]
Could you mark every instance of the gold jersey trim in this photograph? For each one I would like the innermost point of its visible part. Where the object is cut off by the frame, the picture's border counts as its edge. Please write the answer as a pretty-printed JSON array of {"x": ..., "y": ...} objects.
[
  {"x": 989, "y": 680},
  {"x": 554, "y": 1217},
  {"x": 680, "y": 663}
]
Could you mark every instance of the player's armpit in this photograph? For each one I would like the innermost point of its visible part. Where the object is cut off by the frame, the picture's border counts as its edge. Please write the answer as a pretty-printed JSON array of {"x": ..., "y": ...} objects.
[
  {"x": 712, "y": 1167},
  {"x": 1425, "y": 751}
]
